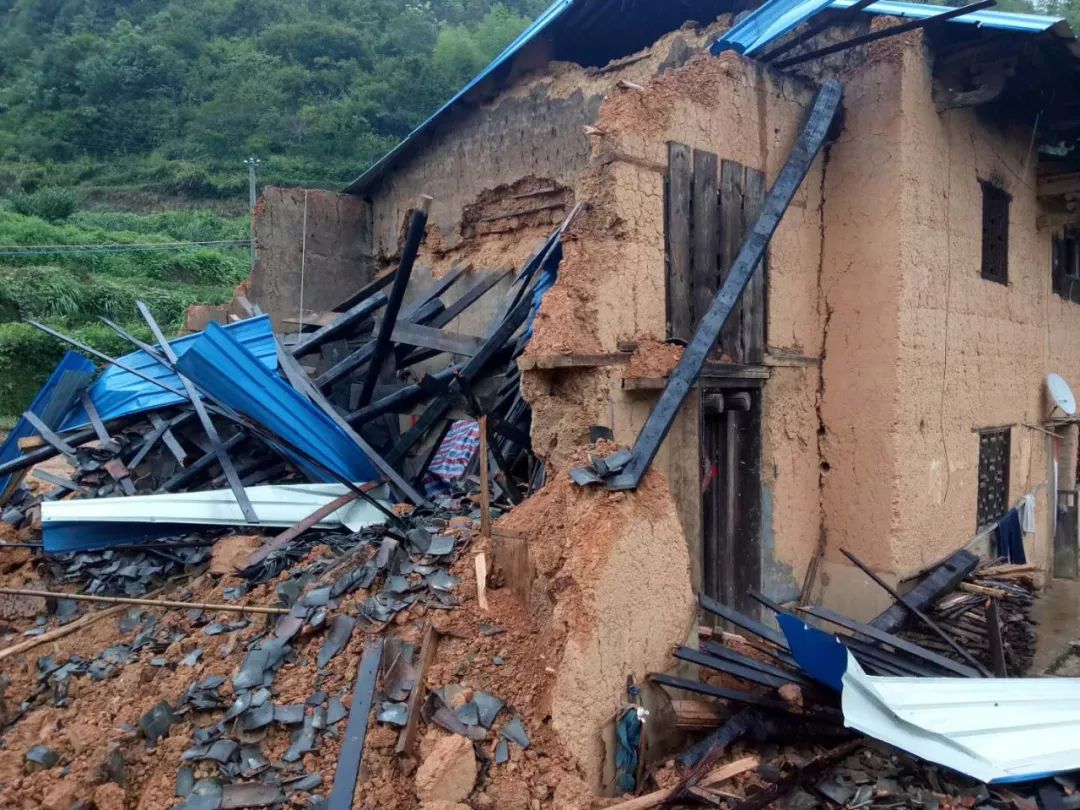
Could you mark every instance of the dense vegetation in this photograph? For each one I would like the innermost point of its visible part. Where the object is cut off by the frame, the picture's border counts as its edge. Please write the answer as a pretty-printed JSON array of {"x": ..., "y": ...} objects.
[
  {"x": 138, "y": 101},
  {"x": 153, "y": 98},
  {"x": 175, "y": 93},
  {"x": 71, "y": 290}
]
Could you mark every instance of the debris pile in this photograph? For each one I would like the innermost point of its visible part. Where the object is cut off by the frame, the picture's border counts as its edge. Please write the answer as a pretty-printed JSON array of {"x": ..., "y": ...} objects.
[
  {"x": 991, "y": 606},
  {"x": 244, "y": 417},
  {"x": 223, "y": 672},
  {"x": 784, "y": 706}
]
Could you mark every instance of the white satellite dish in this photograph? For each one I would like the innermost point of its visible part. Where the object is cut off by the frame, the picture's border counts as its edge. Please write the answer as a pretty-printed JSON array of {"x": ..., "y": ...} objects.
[{"x": 1061, "y": 394}]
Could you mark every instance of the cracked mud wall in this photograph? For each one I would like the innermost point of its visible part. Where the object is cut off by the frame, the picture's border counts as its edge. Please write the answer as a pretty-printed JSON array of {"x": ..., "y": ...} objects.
[
  {"x": 332, "y": 244},
  {"x": 860, "y": 287},
  {"x": 611, "y": 590},
  {"x": 611, "y": 289},
  {"x": 973, "y": 353},
  {"x": 920, "y": 350},
  {"x": 535, "y": 127}
]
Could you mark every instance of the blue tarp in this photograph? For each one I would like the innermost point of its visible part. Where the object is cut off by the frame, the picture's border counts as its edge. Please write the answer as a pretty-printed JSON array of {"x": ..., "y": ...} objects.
[
  {"x": 234, "y": 376},
  {"x": 119, "y": 393},
  {"x": 71, "y": 363}
]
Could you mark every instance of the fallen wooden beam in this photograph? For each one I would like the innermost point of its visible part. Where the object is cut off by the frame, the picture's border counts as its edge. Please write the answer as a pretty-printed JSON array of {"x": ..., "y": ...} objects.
[
  {"x": 686, "y": 373},
  {"x": 352, "y": 746},
  {"x": 427, "y": 337},
  {"x": 943, "y": 579},
  {"x": 416, "y": 697},
  {"x": 712, "y": 778}
]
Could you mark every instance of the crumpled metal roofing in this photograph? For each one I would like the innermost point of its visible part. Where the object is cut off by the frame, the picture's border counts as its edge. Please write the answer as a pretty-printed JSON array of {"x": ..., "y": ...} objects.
[
  {"x": 119, "y": 393},
  {"x": 993, "y": 729},
  {"x": 775, "y": 18},
  {"x": 71, "y": 362},
  {"x": 90, "y": 523},
  {"x": 233, "y": 375},
  {"x": 765, "y": 24}
]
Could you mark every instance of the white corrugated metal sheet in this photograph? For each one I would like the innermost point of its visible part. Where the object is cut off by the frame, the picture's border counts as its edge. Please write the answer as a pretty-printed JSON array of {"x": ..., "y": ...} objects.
[
  {"x": 279, "y": 505},
  {"x": 993, "y": 729}
]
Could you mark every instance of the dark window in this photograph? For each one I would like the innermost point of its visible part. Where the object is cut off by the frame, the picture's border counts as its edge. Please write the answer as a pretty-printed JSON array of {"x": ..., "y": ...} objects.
[
  {"x": 1065, "y": 270},
  {"x": 994, "y": 447},
  {"x": 995, "y": 233}
]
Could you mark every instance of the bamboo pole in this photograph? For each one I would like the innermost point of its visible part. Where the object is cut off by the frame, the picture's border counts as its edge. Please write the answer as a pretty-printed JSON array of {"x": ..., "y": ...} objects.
[{"x": 164, "y": 603}]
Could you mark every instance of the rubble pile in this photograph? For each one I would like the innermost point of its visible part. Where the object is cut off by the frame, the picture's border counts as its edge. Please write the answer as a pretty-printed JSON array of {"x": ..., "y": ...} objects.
[{"x": 966, "y": 614}]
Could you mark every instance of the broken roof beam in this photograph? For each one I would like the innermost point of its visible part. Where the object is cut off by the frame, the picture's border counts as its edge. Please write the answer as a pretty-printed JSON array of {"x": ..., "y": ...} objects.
[
  {"x": 688, "y": 370},
  {"x": 421, "y": 313},
  {"x": 342, "y": 325},
  {"x": 415, "y": 235},
  {"x": 427, "y": 337},
  {"x": 919, "y": 613},
  {"x": 895, "y": 30}
]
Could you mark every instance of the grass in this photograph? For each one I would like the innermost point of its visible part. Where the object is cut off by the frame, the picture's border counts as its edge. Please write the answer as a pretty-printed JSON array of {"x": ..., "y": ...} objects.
[{"x": 71, "y": 292}]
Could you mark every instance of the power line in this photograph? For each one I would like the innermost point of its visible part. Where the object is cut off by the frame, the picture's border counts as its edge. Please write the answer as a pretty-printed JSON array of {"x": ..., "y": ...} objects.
[{"x": 47, "y": 250}]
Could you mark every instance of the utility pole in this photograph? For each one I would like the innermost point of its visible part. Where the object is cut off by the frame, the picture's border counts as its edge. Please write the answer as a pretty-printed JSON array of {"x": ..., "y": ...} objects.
[{"x": 252, "y": 163}]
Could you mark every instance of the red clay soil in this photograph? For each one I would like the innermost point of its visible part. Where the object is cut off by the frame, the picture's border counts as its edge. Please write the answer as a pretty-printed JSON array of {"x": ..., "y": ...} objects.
[
  {"x": 652, "y": 359},
  {"x": 100, "y": 715}
]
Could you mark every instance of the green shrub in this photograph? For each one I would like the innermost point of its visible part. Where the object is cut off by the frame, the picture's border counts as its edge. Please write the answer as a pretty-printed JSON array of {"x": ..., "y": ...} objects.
[{"x": 53, "y": 204}]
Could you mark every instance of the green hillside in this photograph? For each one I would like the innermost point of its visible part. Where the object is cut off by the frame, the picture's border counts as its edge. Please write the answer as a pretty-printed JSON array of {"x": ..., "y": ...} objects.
[{"x": 173, "y": 94}]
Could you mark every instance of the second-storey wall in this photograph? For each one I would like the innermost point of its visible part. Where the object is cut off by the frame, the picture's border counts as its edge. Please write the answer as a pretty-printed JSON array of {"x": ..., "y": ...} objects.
[
  {"x": 974, "y": 353},
  {"x": 611, "y": 289}
]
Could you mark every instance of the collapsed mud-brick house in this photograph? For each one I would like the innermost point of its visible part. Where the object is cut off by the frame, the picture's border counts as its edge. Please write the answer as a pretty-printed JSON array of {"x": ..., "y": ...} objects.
[{"x": 879, "y": 386}]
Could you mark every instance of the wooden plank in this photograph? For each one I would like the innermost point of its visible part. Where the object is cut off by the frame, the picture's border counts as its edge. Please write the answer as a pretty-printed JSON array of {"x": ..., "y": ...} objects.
[
  {"x": 548, "y": 362},
  {"x": 941, "y": 581},
  {"x": 712, "y": 778},
  {"x": 731, "y": 237},
  {"x": 416, "y": 697},
  {"x": 426, "y": 337},
  {"x": 480, "y": 564},
  {"x": 512, "y": 555},
  {"x": 706, "y": 233},
  {"x": 485, "y": 481},
  {"x": 752, "y": 338},
  {"x": 352, "y": 746},
  {"x": 698, "y": 713},
  {"x": 644, "y": 383},
  {"x": 1053, "y": 185},
  {"x": 677, "y": 231},
  {"x": 997, "y": 645}
]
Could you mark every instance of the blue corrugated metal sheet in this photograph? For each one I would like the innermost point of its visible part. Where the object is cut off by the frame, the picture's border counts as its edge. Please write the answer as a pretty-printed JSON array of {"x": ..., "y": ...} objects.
[
  {"x": 766, "y": 24},
  {"x": 777, "y": 17},
  {"x": 1004, "y": 20},
  {"x": 119, "y": 393},
  {"x": 71, "y": 363},
  {"x": 233, "y": 375}
]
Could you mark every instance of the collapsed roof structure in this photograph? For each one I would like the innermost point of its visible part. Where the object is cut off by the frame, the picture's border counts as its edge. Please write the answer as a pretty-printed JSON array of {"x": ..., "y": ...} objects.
[{"x": 755, "y": 303}]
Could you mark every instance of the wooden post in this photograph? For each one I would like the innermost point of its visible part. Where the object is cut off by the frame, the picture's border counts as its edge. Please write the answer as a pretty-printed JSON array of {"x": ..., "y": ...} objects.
[
  {"x": 485, "y": 481},
  {"x": 480, "y": 562}
]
